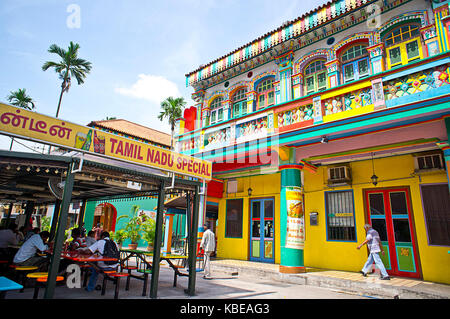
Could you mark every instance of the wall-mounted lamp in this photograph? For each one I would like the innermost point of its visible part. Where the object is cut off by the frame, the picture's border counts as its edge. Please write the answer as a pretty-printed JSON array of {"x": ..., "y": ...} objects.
[
  {"x": 249, "y": 190},
  {"x": 374, "y": 177},
  {"x": 324, "y": 140}
]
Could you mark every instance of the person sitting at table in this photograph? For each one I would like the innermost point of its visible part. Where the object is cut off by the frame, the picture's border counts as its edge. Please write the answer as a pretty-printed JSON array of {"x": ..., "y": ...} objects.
[
  {"x": 77, "y": 241},
  {"x": 90, "y": 239},
  {"x": 26, "y": 256},
  {"x": 107, "y": 248},
  {"x": 31, "y": 232},
  {"x": 8, "y": 238}
]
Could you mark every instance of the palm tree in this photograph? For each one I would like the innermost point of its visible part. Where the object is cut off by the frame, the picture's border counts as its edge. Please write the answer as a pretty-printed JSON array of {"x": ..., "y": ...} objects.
[
  {"x": 172, "y": 109},
  {"x": 20, "y": 98},
  {"x": 69, "y": 66}
]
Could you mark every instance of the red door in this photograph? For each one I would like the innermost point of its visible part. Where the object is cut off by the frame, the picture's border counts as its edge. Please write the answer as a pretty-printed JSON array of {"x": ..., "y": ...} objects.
[{"x": 389, "y": 213}]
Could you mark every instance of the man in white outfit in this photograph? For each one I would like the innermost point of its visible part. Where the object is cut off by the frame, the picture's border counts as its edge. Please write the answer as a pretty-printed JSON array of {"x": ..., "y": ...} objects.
[{"x": 208, "y": 244}]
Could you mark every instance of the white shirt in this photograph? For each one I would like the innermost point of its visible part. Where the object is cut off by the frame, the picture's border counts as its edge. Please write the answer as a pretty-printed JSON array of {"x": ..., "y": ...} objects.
[
  {"x": 7, "y": 237},
  {"x": 208, "y": 241},
  {"x": 100, "y": 247},
  {"x": 29, "y": 248},
  {"x": 374, "y": 239},
  {"x": 90, "y": 241}
]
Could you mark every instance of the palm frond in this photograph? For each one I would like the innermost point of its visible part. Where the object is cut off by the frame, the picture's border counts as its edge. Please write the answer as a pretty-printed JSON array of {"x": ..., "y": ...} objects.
[{"x": 56, "y": 49}]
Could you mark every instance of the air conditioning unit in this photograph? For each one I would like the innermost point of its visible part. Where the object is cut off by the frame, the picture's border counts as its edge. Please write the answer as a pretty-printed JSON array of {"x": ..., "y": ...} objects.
[
  {"x": 232, "y": 186},
  {"x": 430, "y": 161},
  {"x": 339, "y": 175}
]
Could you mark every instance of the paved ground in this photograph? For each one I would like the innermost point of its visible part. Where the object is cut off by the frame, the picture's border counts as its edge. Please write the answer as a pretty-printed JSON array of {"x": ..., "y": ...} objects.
[
  {"x": 350, "y": 282},
  {"x": 222, "y": 286},
  {"x": 233, "y": 279}
]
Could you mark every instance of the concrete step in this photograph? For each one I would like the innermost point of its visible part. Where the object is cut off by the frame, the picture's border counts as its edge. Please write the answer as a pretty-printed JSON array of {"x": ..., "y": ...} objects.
[{"x": 370, "y": 286}]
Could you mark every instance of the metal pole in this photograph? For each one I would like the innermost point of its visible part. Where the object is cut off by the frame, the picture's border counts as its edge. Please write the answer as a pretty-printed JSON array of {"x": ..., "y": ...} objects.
[
  {"x": 193, "y": 244},
  {"x": 60, "y": 232},
  {"x": 158, "y": 240},
  {"x": 56, "y": 210}
]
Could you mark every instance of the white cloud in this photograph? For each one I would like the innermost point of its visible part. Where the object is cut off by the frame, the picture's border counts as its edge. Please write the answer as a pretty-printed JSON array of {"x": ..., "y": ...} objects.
[{"x": 153, "y": 88}]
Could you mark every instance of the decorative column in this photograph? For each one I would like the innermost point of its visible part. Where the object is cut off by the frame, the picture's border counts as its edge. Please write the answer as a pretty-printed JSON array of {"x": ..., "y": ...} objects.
[
  {"x": 317, "y": 106},
  {"x": 376, "y": 57},
  {"x": 445, "y": 147},
  {"x": 430, "y": 38},
  {"x": 227, "y": 109},
  {"x": 442, "y": 20},
  {"x": 199, "y": 97},
  {"x": 333, "y": 73},
  {"x": 378, "y": 94},
  {"x": 251, "y": 101},
  {"x": 292, "y": 225},
  {"x": 297, "y": 85},
  {"x": 284, "y": 62},
  {"x": 205, "y": 116}
]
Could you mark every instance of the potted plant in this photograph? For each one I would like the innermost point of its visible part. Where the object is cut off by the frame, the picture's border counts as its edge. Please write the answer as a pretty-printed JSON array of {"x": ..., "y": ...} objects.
[
  {"x": 133, "y": 227},
  {"x": 119, "y": 236},
  {"x": 148, "y": 232}
]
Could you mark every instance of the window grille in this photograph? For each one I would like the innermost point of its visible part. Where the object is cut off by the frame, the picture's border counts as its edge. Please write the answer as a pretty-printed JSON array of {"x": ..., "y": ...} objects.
[
  {"x": 233, "y": 227},
  {"x": 429, "y": 161},
  {"x": 340, "y": 216}
]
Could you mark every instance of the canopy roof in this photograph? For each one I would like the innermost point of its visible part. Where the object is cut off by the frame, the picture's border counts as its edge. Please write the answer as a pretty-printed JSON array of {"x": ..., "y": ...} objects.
[{"x": 25, "y": 177}]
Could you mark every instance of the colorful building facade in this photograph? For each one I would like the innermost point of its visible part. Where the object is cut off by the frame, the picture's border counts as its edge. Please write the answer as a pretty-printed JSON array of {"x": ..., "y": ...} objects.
[{"x": 336, "y": 119}]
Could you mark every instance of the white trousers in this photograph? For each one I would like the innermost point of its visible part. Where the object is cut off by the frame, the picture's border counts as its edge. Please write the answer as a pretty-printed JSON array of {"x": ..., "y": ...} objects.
[{"x": 207, "y": 263}]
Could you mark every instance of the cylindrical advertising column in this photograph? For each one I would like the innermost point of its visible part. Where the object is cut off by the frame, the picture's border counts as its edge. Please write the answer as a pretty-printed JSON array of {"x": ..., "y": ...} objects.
[{"x": 292, "y": 221}]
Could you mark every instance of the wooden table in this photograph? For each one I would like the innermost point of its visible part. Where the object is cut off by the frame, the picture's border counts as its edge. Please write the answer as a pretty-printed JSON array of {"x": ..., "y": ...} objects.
[
  {"x": 7, "y": 285},
  {"x": 141, "y": 254}
]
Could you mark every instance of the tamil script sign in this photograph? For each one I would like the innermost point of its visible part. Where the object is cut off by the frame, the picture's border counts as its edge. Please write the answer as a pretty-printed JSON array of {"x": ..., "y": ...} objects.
[{"x": 45, "y": 129}]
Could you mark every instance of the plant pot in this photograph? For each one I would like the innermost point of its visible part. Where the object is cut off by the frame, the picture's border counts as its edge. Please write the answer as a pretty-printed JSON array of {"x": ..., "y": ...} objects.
[
  {"x": 150, "y": 248},
  {"x": 120, "y": 245},
  {"x": 132, "y": 246}
]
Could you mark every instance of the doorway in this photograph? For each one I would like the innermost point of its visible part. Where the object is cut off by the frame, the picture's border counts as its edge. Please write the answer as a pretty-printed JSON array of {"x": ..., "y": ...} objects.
[
  {"x": 262, "y": 230},
  {"x": 106, "y": 215},
  {"x": 389, "y": 213}
]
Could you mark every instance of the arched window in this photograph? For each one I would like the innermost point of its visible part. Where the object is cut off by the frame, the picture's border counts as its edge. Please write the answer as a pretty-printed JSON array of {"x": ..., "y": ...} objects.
[
  {"x": 315, "y": 75},
  {"x": 403, "y": 45},
  {"x": 216, "y": 110},
  {"x": 355, "y": 63},
  {"x": 240, "y": 102},
  {"x": 266, "y": 93}
]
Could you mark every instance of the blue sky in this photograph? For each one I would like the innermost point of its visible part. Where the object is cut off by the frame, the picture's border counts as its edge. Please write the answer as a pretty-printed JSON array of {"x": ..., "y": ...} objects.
[{"x": 140, "y": 50}]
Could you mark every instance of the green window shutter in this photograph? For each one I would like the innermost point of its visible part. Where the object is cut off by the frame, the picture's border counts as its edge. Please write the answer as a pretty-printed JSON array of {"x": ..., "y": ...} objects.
[{"x": 395, "y": 55}]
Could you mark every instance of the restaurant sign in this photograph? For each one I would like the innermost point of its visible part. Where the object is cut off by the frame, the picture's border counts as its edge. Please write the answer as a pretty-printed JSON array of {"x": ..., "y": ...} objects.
[
  {"x": 37, "y": 127},
  {"x": 295, "y": 233}
]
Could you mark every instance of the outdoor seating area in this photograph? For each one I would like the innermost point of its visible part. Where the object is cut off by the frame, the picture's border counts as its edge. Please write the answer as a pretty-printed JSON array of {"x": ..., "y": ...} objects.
[{"x": 135, "y": 268}]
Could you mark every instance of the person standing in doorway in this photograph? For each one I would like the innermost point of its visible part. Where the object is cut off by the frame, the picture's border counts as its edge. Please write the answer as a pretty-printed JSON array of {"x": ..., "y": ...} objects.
[
  {"x": 208, "y": 244},
  {"x": 375, "y": 247}
]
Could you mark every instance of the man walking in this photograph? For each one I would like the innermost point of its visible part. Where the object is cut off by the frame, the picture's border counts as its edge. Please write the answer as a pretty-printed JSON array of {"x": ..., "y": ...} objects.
[
  {"x": 208, "y": 244},
  {"x": 374, "y": 244}
]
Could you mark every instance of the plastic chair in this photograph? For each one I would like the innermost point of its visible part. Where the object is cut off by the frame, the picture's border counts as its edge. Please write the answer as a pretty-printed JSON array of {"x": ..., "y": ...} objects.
[
  {"x": 114, "y": 277},
  {"x": 21, "y": 273},
  {"x": 41, "y": 281}
]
